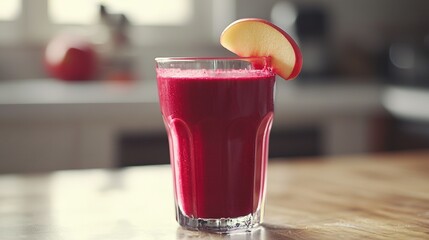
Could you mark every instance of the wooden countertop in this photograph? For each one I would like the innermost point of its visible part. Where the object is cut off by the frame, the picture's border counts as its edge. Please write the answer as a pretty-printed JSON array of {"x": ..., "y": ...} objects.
[{"x": 384, "y": 196}]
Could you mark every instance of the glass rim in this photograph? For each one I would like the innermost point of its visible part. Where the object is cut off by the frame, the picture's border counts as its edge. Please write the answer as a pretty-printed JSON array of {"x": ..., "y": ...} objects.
[{"x": 196, "y": 59}]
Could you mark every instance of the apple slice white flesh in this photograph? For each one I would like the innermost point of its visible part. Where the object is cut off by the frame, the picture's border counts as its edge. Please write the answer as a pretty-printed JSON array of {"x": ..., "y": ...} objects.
[{"x": 254, "y": 37}]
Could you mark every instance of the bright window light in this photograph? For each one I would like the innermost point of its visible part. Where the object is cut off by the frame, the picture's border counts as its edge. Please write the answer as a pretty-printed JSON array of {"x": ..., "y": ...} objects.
[
  {"x": 139, "y": 12},
  {"x": 72, "y": 11},
  {"x": 9, "y": 9}
]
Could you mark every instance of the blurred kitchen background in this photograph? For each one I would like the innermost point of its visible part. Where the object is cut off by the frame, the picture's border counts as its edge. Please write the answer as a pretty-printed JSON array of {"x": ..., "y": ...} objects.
[{"x": 78, "y": 89}]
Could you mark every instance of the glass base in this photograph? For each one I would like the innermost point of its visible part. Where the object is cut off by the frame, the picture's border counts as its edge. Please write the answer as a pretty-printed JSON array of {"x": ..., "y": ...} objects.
[{"x": 222, "y": 225}]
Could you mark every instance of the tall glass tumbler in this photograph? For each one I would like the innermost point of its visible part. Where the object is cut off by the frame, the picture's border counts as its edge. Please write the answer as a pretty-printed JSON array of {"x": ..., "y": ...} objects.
[{"x": 218, "y": 114}]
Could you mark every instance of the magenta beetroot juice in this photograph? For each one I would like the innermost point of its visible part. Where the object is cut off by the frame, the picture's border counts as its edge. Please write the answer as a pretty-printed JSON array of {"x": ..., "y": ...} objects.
[{"x": 218, "y": 115}]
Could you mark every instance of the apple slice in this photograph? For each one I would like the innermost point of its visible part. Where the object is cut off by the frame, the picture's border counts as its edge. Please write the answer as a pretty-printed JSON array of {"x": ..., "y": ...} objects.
[{"x": 254, "y": 37}]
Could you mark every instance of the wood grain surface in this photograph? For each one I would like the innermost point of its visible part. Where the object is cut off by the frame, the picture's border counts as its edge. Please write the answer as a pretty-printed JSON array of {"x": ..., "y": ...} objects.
[{"x": 384, "y": 196}]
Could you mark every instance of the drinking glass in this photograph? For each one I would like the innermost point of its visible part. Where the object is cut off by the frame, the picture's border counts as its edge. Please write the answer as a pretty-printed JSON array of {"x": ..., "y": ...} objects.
[{"x": 218, "y": 114}]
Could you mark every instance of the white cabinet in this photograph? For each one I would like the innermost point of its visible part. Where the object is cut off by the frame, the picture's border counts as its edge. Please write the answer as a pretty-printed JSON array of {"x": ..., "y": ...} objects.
[{"x": 40, "y": 147}]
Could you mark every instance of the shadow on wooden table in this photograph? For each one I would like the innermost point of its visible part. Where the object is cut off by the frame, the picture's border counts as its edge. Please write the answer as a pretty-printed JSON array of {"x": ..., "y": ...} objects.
[{"x": 265, "y": 232}]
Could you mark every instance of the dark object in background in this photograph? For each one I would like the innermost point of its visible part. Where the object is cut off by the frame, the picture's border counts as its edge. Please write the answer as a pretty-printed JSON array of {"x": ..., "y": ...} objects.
[
  {"x": 312, "y": 26},
  {"x": 118, "y": 56},
  {"x": 407, "y": 135},
  {"x": 408, "y": 62},
  {"x": 137, "y": 149},
  {"x": 296, "y": 142},
  {"x": 311, "y": 23}
]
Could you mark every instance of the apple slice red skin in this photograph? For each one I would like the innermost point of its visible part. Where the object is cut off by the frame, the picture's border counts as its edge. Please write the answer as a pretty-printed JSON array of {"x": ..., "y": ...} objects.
[{"x": 298, "y": 56}]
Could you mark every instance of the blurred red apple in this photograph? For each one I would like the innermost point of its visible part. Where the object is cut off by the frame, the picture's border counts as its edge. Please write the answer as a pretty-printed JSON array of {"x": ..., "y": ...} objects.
[{"x": 71, "y": 57}]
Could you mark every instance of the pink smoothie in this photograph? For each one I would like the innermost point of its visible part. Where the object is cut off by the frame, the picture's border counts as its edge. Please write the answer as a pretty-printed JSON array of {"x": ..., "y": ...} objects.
[{"x": 218, "y": 126}]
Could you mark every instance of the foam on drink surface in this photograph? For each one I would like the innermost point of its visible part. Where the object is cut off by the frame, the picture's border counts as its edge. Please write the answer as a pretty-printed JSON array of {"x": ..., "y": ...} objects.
[{"x": 214, "y": 74}]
